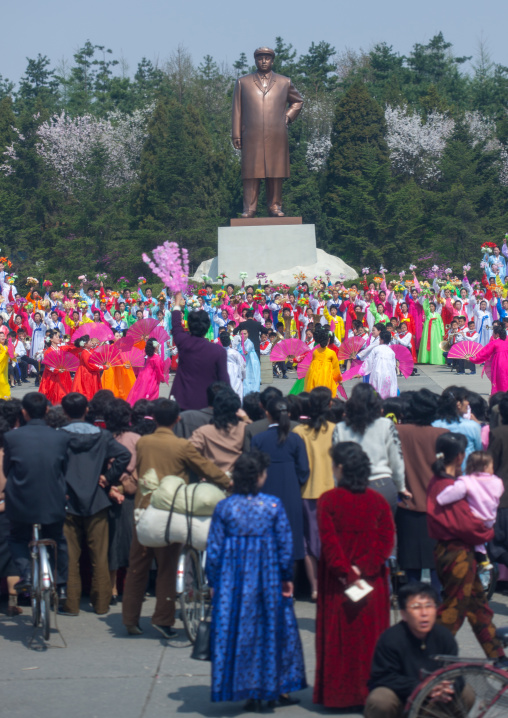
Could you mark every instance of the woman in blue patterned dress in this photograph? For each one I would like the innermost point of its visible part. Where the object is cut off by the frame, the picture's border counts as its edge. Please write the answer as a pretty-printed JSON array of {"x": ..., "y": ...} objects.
[{"x": 255, "y": 644}]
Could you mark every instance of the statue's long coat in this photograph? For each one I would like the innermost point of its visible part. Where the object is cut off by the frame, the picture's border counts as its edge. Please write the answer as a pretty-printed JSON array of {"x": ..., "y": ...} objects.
[{"x": 259, "y": 120}]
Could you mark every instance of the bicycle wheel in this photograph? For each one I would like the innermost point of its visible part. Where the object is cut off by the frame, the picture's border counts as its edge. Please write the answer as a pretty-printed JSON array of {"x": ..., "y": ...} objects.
[
  {"x": 485, "y": 694},
  {"x": 34, "y": 593},
  {"x": 46, "y": 613},
  {"x": 192, "y": 600}
]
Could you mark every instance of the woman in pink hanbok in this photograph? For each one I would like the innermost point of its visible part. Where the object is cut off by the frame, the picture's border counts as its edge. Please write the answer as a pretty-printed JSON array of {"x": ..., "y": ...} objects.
[
  {"x": 495, "y": 355},
  {"x": 150, "y": 377}
]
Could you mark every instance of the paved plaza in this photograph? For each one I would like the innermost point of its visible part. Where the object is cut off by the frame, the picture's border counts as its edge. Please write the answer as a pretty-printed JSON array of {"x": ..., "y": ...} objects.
[
  {"x": 103, "y": 673},
  {"x": 435, "y": 378}
]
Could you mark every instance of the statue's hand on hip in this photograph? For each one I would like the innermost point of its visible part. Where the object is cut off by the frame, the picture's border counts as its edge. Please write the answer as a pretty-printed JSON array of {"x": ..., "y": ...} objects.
[{"x": 237, "y": 143}]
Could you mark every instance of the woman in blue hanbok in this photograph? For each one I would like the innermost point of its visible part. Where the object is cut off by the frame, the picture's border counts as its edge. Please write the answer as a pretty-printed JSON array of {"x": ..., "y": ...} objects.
[
  {"x": 255, "y": 644},
  {"x": 252, "y": 381}
]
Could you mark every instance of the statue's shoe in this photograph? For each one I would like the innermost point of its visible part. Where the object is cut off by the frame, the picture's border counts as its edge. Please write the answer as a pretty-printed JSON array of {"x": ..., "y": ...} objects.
[
  {"x": 276, "y": 213},
  {"x": 247, "y": 215}
]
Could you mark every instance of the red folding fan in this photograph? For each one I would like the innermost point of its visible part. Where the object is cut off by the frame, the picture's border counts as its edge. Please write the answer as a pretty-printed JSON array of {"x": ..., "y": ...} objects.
[
  {"x": 288, "y": 348},
  {"x": 134, "y": 358},
  {"x": 464, "y": 350},
  {"x": 107, "y": 356},
  {"x": 404, "y": 359},
  {"x": 141, "y": 330},
  {"x": 61, "y": 360}
]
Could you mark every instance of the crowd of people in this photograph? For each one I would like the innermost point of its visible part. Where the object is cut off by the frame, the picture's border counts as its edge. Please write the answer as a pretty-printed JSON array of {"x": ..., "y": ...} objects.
[
  {"x": 427, "y": 319},
  {"x": 339, "y": 488}
]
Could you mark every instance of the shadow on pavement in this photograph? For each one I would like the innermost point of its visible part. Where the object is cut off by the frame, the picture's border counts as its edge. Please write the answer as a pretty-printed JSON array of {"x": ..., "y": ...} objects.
[{"x": 196, "y": 699}]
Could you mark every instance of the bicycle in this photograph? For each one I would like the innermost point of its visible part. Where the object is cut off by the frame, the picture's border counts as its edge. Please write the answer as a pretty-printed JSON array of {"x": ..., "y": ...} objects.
[
  {"x": 192, "y": 589},
  {"x": 488, "y": 577},
  {"x": 397, "y": 578},
  {"x": 43, "y": 592},
  {"x": 485, "y": 692}
]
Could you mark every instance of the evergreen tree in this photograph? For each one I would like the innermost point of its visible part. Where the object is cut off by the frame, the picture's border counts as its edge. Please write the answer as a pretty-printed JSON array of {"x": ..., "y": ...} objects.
[
  {"x": 38, "y": 89},
  {"x": 356, "y": 177},
  {"x": 318, "y": 70},
  {"x": 241, "y": 65},
  {"x": 6, "y": 87},
  {"x": 469, "y": 205},
  {"x": 179, "y": 180}
]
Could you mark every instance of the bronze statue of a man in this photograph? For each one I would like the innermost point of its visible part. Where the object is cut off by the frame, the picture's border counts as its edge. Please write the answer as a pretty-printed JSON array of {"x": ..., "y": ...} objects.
[{"x": 264, "y": 103}]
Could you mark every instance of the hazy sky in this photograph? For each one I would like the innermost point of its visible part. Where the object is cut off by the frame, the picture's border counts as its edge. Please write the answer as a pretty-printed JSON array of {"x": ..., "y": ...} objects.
[{"x": 154, "y": 28}]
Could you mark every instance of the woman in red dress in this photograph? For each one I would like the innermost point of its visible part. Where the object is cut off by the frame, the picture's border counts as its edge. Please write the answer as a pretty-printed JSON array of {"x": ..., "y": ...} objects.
[
  {"x": 357, "y": 536},
  {"x": 55, "y": 384},
  {"x": 87, "y": 379}
]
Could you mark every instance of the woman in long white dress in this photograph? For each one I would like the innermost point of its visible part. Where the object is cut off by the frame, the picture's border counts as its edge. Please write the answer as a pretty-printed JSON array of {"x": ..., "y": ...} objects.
[
  {"x": 383, "y": 375},
  {"x": 245, "y": 347},
  {"x": 236, "y": 366}
]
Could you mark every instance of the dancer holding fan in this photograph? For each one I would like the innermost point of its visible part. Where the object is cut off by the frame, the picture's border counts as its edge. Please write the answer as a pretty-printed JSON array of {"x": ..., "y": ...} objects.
[
  {"x": 150, "y": 377},
  {"x": 324, "y": 369},
  {"x": 87, "y": 379},
  {"x": 116, "y": 376},
  {"x": 58, "y": 362},
  {"x": 495, "y": 354}
]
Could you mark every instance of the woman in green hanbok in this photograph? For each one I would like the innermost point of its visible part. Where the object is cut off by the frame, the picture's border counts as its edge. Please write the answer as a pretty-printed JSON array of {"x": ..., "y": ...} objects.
[
  {"x": 378, "y": 313},
  {"x": 433, "y": 334}
]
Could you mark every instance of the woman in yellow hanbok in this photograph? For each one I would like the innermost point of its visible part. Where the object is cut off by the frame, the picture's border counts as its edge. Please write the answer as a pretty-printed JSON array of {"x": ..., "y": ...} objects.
[
  {"x": 324, "y": 369},
  {"x": 5, "y": 389},
  {"x": 119, "y": 379}
]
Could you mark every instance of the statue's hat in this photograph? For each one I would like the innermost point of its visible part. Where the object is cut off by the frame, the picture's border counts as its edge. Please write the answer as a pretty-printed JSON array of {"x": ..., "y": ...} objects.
[{"x": 264, "y": 51}]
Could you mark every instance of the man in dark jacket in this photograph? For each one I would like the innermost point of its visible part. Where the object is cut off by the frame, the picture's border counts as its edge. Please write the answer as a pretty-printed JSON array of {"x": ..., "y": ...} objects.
[
  {"x": 35, "y": 460},
  {"x": 90, "y": 474},
  {"x": 405, "y": 649},
  {"x": 253, "y": 327}
]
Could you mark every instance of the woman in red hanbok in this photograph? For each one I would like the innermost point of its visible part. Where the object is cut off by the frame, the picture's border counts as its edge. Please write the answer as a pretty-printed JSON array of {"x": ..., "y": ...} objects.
[
  {"x": 150, "y": 376},
  {"x": 87, "y": 379},
  {"x": 357, "y": 536},
  {"x": 55, "y": 384}
]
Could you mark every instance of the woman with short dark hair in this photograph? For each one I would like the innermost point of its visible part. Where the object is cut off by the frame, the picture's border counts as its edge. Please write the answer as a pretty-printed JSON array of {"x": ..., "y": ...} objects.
[
  {"x": 378, "y": 438},
  {"x": 222, "y": 440},
  {"x": 452, "y": 411},
  {"x": 357, "y": 535},
  {"x": 255, "y": 644}
]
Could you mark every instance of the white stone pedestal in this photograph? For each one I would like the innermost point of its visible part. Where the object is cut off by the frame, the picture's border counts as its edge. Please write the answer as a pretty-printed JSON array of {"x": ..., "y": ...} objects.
[
  {"x": 265, "y": 249},
  {"x": 278, "y": 250}
]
